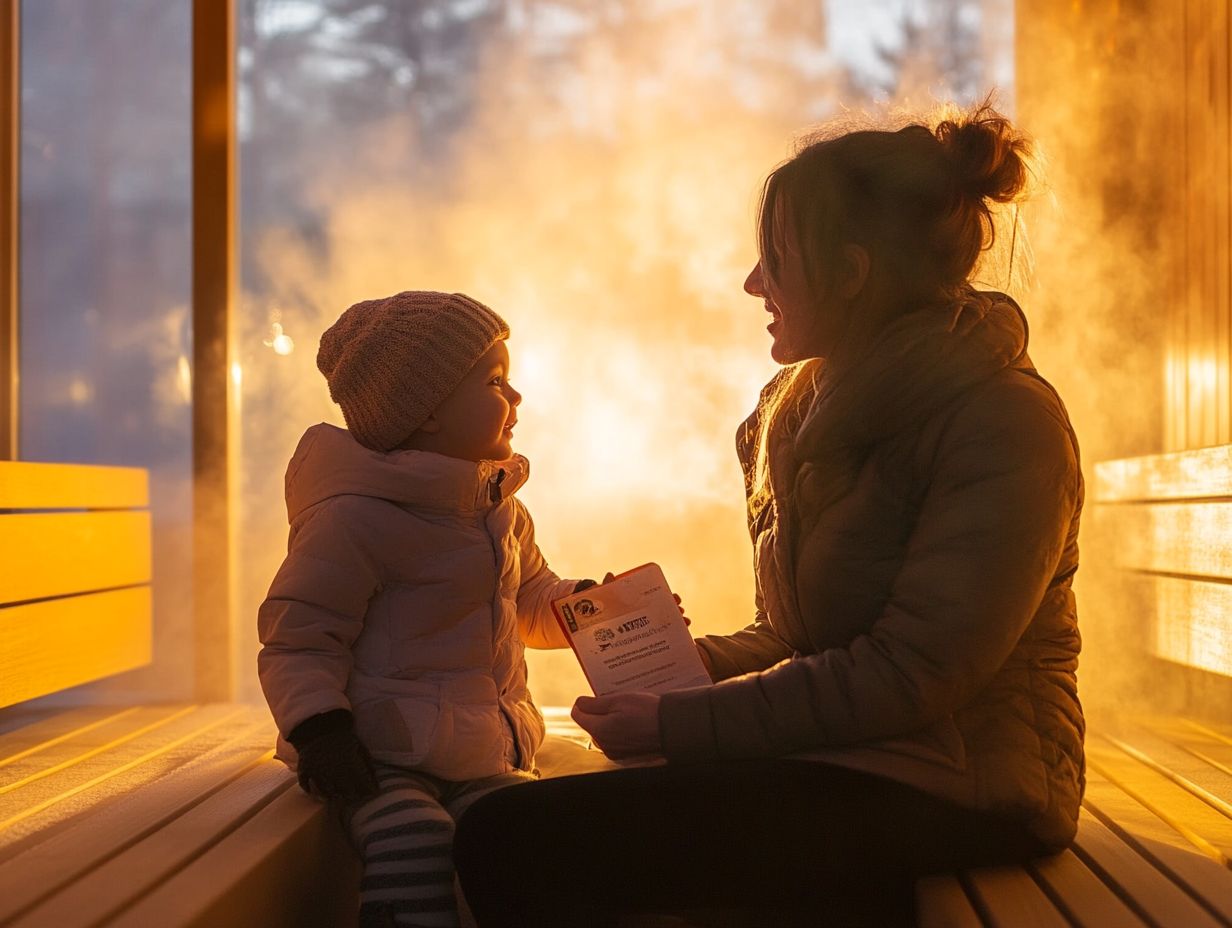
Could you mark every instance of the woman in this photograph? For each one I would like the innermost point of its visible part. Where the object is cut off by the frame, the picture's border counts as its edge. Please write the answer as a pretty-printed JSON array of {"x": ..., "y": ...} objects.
[{"x": 904, "y": 701}]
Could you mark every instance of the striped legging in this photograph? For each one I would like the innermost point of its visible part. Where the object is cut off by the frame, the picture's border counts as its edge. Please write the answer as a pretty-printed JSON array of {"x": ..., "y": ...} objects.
[{"x": 404, "y": 835}]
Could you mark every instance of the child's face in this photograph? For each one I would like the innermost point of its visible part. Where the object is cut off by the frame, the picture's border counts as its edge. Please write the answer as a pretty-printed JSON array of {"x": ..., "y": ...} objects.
[{"x": 476, "y": 421}]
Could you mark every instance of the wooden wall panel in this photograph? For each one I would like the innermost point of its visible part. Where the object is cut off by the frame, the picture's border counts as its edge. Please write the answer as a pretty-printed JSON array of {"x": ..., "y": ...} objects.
[
  {"x": 49, "y": 646},
  {"x": 1190, "y": 539},
  {"x": 1169, "y": 519},
  {"x": 1192, "y": 623},
  {"x": 1200, "y": 474},
  {"x": 75, "y": 596},
  {"x": 1198, "y": 357},
  {"x": 28, "y": 485},
  {"x": 56, "y": 554}
]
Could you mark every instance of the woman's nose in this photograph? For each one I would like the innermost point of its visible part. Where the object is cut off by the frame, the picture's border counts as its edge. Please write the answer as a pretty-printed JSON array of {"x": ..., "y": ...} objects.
[
  {"x": 753, "y": 284},
  {"x": 515, "y": 398}
]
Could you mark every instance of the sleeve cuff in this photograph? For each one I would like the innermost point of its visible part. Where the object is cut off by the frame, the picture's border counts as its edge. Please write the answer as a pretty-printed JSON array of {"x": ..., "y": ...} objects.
[
  {"x": 315, "y": 726},
  {"x": 686, "y": 726}
]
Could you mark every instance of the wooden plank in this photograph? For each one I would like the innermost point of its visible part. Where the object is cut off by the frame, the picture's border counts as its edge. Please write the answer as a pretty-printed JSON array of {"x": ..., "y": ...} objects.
[
  {"x": 214, "y": 286},
  {"x": 53, "y": 795},
  {"x": 1189, "y": 759},
  {"x": 51, "y": 645},
  {"x": 35, "y": 485},
  {"x": 1217, "y": 205},
  {"x": 1191, "y": 621},
  {"x": 941, "y": 902},
  {"x": 58, "y": 857},
  {"x": 287, "y": 867},
  {"x": 1208, "y": 742},
  {"x": 1081, "y": 894},
  {"x": 122, "y": 726},
  {"x": 55, "y": 554},
  {"x": 1200, "y": 181},
  {"x": 1194, "y": 538},
  {"x": 119, "y": 881},
  {"x": 1011, "y": 898},
  {"x": 1173, "y": 800},
  {"x": 25, "y": 730},
  {"x": 1160, "y": 844},
  {"x": 1135, "y": 879},
  {"x": 1202, "y": 473}
]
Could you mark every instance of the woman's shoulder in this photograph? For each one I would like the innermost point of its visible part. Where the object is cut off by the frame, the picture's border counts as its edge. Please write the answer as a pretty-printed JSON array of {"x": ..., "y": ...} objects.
[{"x": 1015, "y": 412}]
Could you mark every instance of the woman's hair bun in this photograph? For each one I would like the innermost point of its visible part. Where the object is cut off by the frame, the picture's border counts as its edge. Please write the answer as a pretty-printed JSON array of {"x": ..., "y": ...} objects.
[{"x": 988, "y": 154}]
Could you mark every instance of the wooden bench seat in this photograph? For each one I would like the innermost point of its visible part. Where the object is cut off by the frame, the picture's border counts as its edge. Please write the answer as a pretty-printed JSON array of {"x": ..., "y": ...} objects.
[
  {"x": 178, "y": 815},
  {"x": 1154, "y": 843},
  {"x": 162, "y": 815}
]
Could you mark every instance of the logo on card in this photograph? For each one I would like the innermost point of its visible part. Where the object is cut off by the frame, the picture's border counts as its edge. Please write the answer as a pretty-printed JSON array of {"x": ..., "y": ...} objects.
[
  {"x": 586, "y": 608},
  {"x": 604, "y": 637},
  {"x": 569, "y": 619}
]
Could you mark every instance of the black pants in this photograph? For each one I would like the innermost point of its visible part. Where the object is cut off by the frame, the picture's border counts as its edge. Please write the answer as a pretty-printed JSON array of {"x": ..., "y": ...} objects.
[{"x": 759, "y": 842}]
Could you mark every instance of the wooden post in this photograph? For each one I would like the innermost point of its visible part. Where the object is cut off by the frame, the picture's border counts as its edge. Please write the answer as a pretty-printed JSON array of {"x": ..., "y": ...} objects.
[
  {"x": 10, "y": 135},
  {"x": 213, "y": 290}
]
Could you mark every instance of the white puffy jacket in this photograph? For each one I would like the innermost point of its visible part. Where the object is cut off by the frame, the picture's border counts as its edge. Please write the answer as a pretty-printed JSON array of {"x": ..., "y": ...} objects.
[{"x": 411, "y": 582}]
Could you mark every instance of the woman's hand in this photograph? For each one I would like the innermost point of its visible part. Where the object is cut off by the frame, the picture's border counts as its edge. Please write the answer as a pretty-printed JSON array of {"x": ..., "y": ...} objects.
[{"x": 623, "y": 725}]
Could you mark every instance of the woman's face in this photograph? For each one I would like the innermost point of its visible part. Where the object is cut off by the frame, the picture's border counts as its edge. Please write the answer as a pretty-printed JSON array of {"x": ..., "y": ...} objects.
[{"x": 803, "y": 325}]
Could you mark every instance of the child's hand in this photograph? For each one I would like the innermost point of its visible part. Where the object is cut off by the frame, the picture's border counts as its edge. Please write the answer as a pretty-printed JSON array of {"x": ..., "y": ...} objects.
[
  {"x": 587, "y": 584},
  {"x": 333, "y": 762}
]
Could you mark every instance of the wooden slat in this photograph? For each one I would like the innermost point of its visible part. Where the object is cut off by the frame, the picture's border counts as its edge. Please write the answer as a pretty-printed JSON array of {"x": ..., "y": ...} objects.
[
  {"x": 1217, "y": 205},
  {"x": 1083, "y": 896},
  {"x": 287, "y": 867},
  {"x": 1190, "y": 621},
  {"x": 1135, "y": 880},
  {"x": 1174, "y": 755},
  {"x": 27, "y": 730},
  {"x": 1210, "y": 743},
  {"x": 123, "y": 879},
  {"x": 53, "y": 645},
  {"x": 158, "y": 740},
  {"x": 221, "y": 755},
  {"x": 941, "y": 902},
  {"x": 32, "y": 485},
  {"x": 1204, "y": 826},
  {"x": 1011, "y": 898},
  {"x": 1197, "y": 474},
  {"x": 214, "y": 286},
  {"x": 1160, "y": 844},
  {"x": 1178, "y": 538},
  {"x": 56, "y": 554}
]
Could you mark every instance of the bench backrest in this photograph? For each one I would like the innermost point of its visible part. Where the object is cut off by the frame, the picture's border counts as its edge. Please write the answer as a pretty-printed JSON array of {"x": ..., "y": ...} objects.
[
  {"x": 1170, "y": 518},
  {"x": 75, "y": 600}
]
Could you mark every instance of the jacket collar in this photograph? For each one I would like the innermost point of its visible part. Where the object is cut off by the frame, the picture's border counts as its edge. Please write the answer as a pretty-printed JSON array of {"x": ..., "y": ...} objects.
[
  {"x": 329, "y": 462},
  {"x": 916, "y": 365}
]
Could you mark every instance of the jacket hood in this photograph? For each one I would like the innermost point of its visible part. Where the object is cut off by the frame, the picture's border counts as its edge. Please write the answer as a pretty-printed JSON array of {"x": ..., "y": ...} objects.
[{"x": 329, "y": 462}]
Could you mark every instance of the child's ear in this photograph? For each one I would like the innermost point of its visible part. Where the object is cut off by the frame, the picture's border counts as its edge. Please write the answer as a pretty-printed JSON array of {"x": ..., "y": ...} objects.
[{"x": 431, "y": 426}]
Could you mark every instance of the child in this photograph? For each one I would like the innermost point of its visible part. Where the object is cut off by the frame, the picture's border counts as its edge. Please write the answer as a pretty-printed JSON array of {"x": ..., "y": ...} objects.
[{"x": 392, "y": 635}]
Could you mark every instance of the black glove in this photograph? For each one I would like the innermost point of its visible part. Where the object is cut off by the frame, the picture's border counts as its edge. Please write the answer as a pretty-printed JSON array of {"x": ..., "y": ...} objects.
[{"x": 333, "y": 763}]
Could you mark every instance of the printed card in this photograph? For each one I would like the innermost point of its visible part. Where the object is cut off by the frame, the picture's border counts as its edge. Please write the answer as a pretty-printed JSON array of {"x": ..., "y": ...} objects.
[{"x": 629, "y": 634}]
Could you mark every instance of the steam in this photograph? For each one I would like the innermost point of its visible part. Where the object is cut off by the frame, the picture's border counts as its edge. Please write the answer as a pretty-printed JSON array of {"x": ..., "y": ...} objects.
[{"x": 607, "y": 213}]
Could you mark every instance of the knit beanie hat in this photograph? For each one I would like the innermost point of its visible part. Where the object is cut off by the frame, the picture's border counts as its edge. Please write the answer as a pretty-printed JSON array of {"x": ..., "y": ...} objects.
[{"x": 390, "y": 362}]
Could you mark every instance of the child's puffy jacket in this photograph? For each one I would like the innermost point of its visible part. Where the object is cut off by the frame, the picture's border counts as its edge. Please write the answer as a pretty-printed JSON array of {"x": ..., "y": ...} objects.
[{"x": 410, "y": 584}]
